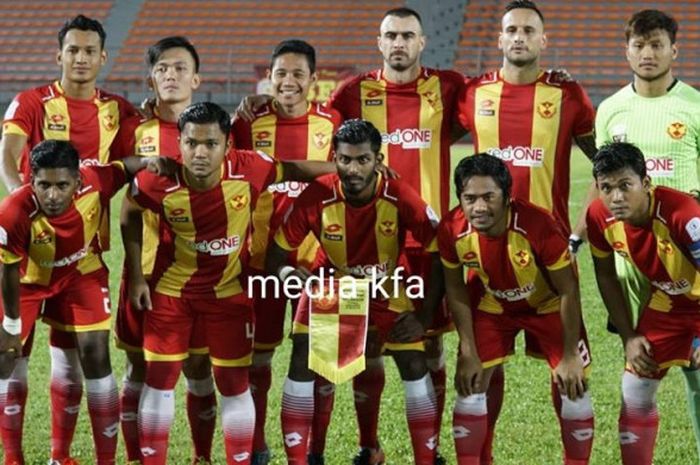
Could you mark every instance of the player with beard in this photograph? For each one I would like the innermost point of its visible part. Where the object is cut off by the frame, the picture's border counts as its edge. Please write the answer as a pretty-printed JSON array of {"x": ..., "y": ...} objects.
[
  {"x": 528, "y": 118},
  {"x": 290, "y": 128},
  {"x": 73, "y": 109},
  {"x": 661, "y": 115},
  {"x": 173, "y": 74}
]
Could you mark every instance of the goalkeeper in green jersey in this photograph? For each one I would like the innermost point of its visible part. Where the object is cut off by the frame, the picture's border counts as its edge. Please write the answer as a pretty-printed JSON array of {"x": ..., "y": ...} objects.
[{"x": 661, "y": 115}]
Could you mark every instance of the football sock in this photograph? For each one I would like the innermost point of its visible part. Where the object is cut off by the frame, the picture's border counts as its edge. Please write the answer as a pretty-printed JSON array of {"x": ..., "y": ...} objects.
[
  {"x": 129, "y": 409},
  {"x": 103, "y": 407},
  {"x": 13, "y": 398},
  {"x": 368, "y": 387},
  {"x": 297, "y": 412},
  {"x": 469, "y": 425},
  {"x": 201, "y": 413},
  {"x": 494, "y": 402},
  {"x": 639, "y": 419},
  {"x": 421, "y": 412},
  {"x": 238, "y": 421},
  {"x": 324, "y": 397},
  {"x": 438, "y": 374},
  {"x": 66, "y": 394},
  {"x": 260, "y": 382},
  {"x": 577, "y": 428},
  {"x": 692, "y": 390},
  {"x": 156, "y": 413}
]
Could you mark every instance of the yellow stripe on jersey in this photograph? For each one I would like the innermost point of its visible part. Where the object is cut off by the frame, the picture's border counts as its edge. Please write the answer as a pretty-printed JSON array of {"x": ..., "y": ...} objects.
[
  {"x": 527, "y": 273},
  {"x": 147, "y": 138},
  {"x": 371, "y": 90},
  {"x": 562, "y": 261},
  {"x": 12, "y": 128},
  {"x": 597, "y": 252},
  {"x": 386, "y": 236},
  {"x": 151, "y": 221},
  {"x": 56, "y": 108},
  {"x": 545, "y": 132},
  {"x": 281, "y": 240},
  {"x": 615, "y": 235},
  {"x": 486, "y": 122},
  {"x": 334, "y": 234},
  {"x": 108, "y": 119},
  {"x": 320, "y": 132},
  {"x": 264, "y": 207},
  {"x": 185, "y": 262},
  {"x": 674, "y": 261},
  {"x": 238, "y": 214},
  {"x": 90, "y": 210},
  {"x": 431, "y": 116},
  {"x": 469, "y": 251},
  {"x": 42, "y": 248}
]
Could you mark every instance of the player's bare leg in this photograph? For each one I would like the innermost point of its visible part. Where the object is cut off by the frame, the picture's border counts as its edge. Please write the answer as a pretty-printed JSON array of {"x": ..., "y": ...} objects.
[
  {"x": 132, "y": 385},
  {"x": 102, "y": 394},
  {"x": 201, "y": 404}
]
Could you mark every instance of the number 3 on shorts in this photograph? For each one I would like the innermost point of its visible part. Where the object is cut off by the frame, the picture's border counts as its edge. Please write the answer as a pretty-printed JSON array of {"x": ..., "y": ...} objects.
[{"x": 105, "y": 300}]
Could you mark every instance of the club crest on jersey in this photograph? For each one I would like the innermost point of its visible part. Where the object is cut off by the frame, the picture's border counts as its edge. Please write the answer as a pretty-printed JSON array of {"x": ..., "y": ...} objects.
[
  {"x": 146, "y": 145},
  {"x": 522, "y": 258},
  {"x": 471, "y": 260},
  {"x": 388, "y": 228},
  {"x": 321, "y": 140},
  {"x": 56, "y": 122},
  {"x": 109, "y": 122},
  {"x": 176, "y": 216},
  {"x": 262, "y": 139},
  {"x": 333, "y": 232},
  {"x": 44, "y": 237},
  {"x": 546, "y": 109},
  {"x": 666, "y": 246},
  {"x": 431, "y": 98},
  {"x": 486, "y": 107},
  {"x": 676, "y": 130},
  {"x": 619, "y": 133},
  {"x": 239, "y": 202},
  {"x": 91, "y": 214}
]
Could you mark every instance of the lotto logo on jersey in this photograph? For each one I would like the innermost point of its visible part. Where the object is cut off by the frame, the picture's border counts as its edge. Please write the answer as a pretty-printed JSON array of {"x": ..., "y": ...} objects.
[
  {"x": 262, "y": 139},
  {"x": 409, "y": 138},
  {"x": 486, "y": 108},
  {"x": 471, "y": 260},
  {"x": 56, "y": 122},
  {"x": 146, "y": 145},
  {"x": 660, "y": 167},
  {"x": 44, "y": 237},
  {"x": 520, "y": 156},
  {"x": 333, "y": 232},
  {"x": 218, "y": 247},
  {"x": 291, "y": 189}
]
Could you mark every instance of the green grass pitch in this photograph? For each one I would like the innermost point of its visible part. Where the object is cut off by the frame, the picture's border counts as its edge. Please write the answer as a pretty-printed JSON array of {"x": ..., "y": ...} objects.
[{"x": 527, "y": 433}]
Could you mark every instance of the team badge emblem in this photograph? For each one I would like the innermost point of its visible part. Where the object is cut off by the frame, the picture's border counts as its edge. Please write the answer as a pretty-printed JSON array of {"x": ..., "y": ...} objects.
[
  {"x": 546, "y": 109},
  {"x": 109, "y": 122},
  {"x": 91, "y": 214},
  {"x": 320, "y": 140},
  {"x": 666, "y": 246},
  {"x": 676, "y": 130},
  {"x": 238, "y": 202},
  {"x": 522, "y": 258},
  {"x": 388, "y": 228}
]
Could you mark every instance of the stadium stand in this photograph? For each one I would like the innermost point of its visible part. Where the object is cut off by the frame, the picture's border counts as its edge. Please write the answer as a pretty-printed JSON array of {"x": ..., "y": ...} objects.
[{"x": 585, "y": 37}]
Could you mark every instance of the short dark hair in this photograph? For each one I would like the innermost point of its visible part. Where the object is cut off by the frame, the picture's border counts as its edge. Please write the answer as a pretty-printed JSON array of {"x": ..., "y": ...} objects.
[
  {"x": 82, "y": 23},
  {"x": 404, "y": 12},
  {"x": 357, "y": 131},
  {"x": 205, "y": 113},
  {"x": 295, "y": 46},
  {"x": 51, "y": 153},
  {"x": 524, "y": 4},
  {"x": 483, "y": 164},
  {"x": 642, "y": 23},
  {"x": 616, "y": 156},
  {"x": 156, "y": 50}
]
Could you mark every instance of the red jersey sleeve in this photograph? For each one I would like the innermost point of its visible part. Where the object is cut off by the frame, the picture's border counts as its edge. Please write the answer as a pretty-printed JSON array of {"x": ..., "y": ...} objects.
[
  {"x": 595, "y": 224},
  {"x": 301, "y": 218},
  {"x": 144, "y": 190},
  {"x": 242, "y": 134},
  {"x": 107, "y": 179},
  {"x": 14, "y": 226},
  {"x": 345, "y": 99},
  {"x": 585, "y": 116},
  {"x": 124, "y": 144},
  {"x": 685, "y": 226},
  {"x": 465, "y": 104},
  {"x": 446, "y": 242},
  {"x": 259, "y": 169},
  {"x": 552, "y": 245},
  {"x": 23, "y": 114},
  {"x": 417, "y": 216}
]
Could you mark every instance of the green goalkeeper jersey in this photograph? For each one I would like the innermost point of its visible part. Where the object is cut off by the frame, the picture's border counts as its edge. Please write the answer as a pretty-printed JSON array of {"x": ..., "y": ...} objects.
[{"x": 665, "y": 128}]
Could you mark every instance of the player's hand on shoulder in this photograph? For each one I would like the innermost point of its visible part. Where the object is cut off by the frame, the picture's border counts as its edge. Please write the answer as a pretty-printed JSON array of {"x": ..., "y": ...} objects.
[
  {"x": 408, "y": 328},
  {"x": 639, "y": 355},
  {"x": 162, "y": 166},
  {"x": 147, "y": 107},
  {"x": 569, "y": 377},
  {"x": 249, "y": 105},
  {"x": 387, "y": 172},
  {"x": 561, "y": 75},
  {"x": 468, "y": 375}
]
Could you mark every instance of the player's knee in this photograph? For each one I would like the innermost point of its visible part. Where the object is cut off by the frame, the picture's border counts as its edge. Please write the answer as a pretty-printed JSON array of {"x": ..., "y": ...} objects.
[
  {"x": 263, "y": 358},
  {"x": 434, "y": 350},
  {"x": 197, "y": 367},
  {"x": 231, "y": 381},
  {"x": 579, "y": 409},
  {"x": 412, "y": 365},
  {"x": 299, "y": 363},
  {"x": 93, "y": 349},
  {"x": 65, "y": 364},
  {"x": 639, "y": 392},
  {"x": 474, "y": 405},
  {"x": 135, "y": 367}
]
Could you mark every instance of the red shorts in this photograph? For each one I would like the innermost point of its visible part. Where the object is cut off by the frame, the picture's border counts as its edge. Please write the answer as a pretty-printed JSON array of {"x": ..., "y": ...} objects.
[
  {"x": 128, "y": 328},
  {"x": 178, "y": 326},
  {"x": 418, "y": 262},
  {"x": 77, "y": 304},
  {"x": 495, "y": 336},
  {"x": 269, "y": 313},
  {"x": 671, "y": 336},
  {"x": 381, "y": 319}
]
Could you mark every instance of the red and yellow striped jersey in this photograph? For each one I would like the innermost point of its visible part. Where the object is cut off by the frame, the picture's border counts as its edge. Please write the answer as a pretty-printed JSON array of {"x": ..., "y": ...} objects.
[
  {"x": 666, "y": 250},
  {"x": 512, "y": 268},
  {"x": 308, "y": 137},
  {"x": 415, "y": 120},
  {"x": 204, "y": 234},
  {"x": 51, "y": 249},
  {"x": 360, "y": 241},
  {"x": 148, "y": 137},
  {"x": 530, "y": 127},
  {"x": 47, "y": 113}
]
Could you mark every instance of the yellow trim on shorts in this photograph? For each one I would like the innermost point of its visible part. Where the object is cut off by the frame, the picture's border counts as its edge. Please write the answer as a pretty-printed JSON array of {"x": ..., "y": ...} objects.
[
  {"x": 127, "y": 347},
  {"x": 403, "y": 346},
  {"x": 268, "y": 346},
  {"x": 198, "y": 350},
  {"x": 496, "y": 361},
  {"x": 104, "y": 325},
  {"x": 154, "y": 357},
  {"x": 434, "y": 332},
  {"x": 244, "y": 361},
  {"x": 666, "y": 365}
]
